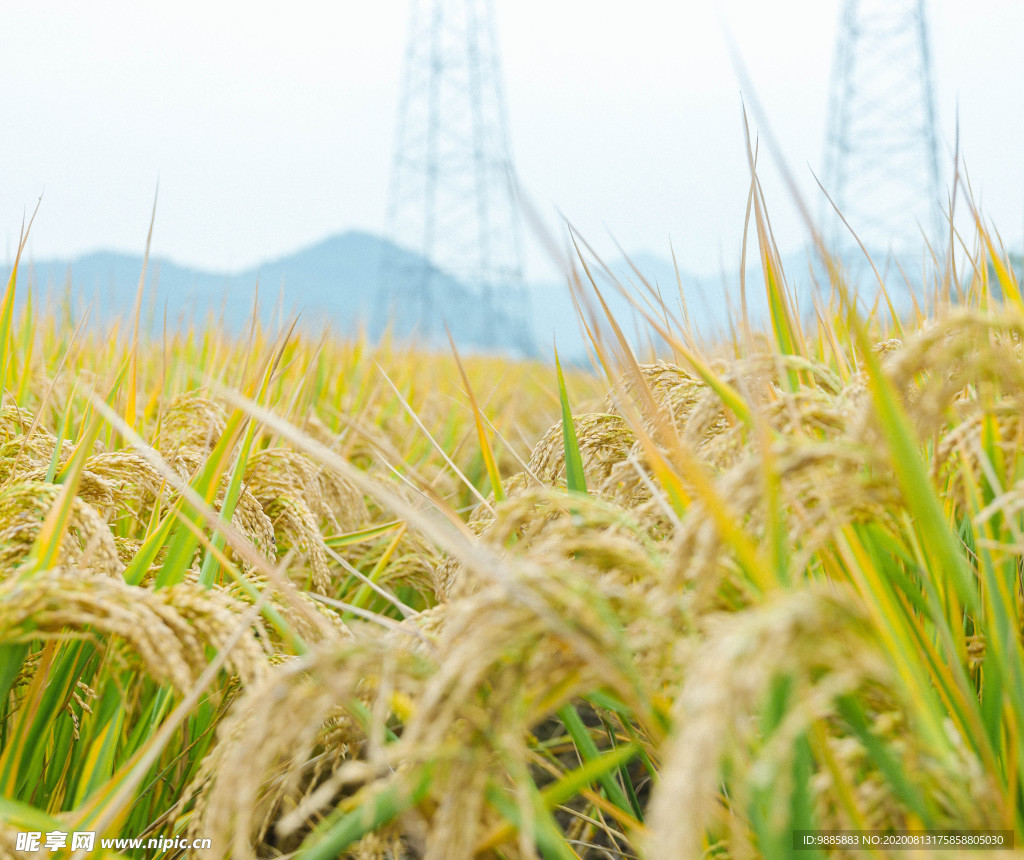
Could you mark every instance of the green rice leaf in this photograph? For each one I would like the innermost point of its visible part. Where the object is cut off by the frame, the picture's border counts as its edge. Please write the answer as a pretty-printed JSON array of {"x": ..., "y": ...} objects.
[{"x": 574, "y": 475}]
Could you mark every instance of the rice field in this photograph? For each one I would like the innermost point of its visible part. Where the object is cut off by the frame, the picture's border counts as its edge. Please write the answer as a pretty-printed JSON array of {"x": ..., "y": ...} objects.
[{"x": 305, "y": 598}]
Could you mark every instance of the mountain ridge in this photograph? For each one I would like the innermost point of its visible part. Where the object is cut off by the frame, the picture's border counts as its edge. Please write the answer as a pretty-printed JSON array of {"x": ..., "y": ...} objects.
[{"x": 336, "y": 281}]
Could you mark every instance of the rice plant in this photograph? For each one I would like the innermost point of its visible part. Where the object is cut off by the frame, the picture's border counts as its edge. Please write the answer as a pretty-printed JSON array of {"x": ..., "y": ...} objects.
[{"x": 305, "y": 598}]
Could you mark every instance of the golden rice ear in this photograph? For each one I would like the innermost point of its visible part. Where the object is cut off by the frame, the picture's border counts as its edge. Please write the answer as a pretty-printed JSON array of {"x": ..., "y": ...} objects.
[
  {"x": 550, "y": 528},
  {"x": 133, "y": 485},
  {"x": 820, "y": 641},
  {"x": 191, "y": 428},
  {"x": 29, "y": 457},
  {"x": 168, "y": 630},
  {"x": 343, "y": 507},
  {"x": 431, "y": 677},
  {"x": 672, "y": 388},
  {"x": 308, "y": 618},
  {"x": 252, "y": 521},
  {"x": 287, "y": 735},
  {"x": 825, "y": 485},
  {"x": 14, "y": 422},
  {"x": 504, "y": 664},
  {"x": 604, "y": 441},
  {"x": 88, "y": 542},
  {"x": 297, "y": 495},
  {"x": 936, "y": 368}
]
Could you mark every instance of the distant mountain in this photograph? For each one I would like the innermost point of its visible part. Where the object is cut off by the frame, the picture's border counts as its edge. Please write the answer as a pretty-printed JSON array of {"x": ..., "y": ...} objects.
[
  {"x": 713, "y": 303},
  {"x": 336, "y": 282},
  {"x": 646, "y": 285}
]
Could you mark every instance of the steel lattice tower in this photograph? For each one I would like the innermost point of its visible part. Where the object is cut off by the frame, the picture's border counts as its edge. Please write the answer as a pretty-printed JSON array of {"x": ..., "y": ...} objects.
[
  {"x": 452, "y": 198},
  {"x": 881, "y": 160}
]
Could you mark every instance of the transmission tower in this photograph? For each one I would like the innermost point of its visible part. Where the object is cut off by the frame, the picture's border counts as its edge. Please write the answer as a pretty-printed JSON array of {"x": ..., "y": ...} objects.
[
  {"x": 452, "y": 198},
  {"x": 881, "y": 160}
]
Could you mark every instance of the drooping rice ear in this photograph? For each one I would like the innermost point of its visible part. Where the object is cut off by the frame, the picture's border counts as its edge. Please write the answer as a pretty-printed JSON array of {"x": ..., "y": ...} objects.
[
  {"x": 305, "y": 718},
  {"x": 168, "y": 630},
  {"x": 87, "y": 542},
  {"x": 822, "y": 646}
]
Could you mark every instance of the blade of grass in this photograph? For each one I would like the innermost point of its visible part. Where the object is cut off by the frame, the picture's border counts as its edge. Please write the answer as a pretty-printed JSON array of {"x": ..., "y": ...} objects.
[
  {"x": 7, "y": 307},
  {"x": 557, "y": 793},
  {"x": 588, "y": 752},
  {"x": 574, "y": 475},
  {"x": 485, "y": 445},
  {"x": 328, "y": 840}
]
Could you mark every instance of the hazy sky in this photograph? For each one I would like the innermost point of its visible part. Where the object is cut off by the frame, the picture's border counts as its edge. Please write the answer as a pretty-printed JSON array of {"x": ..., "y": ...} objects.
[{"x": 270, "y": 125}]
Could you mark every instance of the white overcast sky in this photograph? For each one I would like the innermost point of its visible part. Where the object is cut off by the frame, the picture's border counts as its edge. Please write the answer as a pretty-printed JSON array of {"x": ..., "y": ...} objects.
[{"x": 270, "y": 125}]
